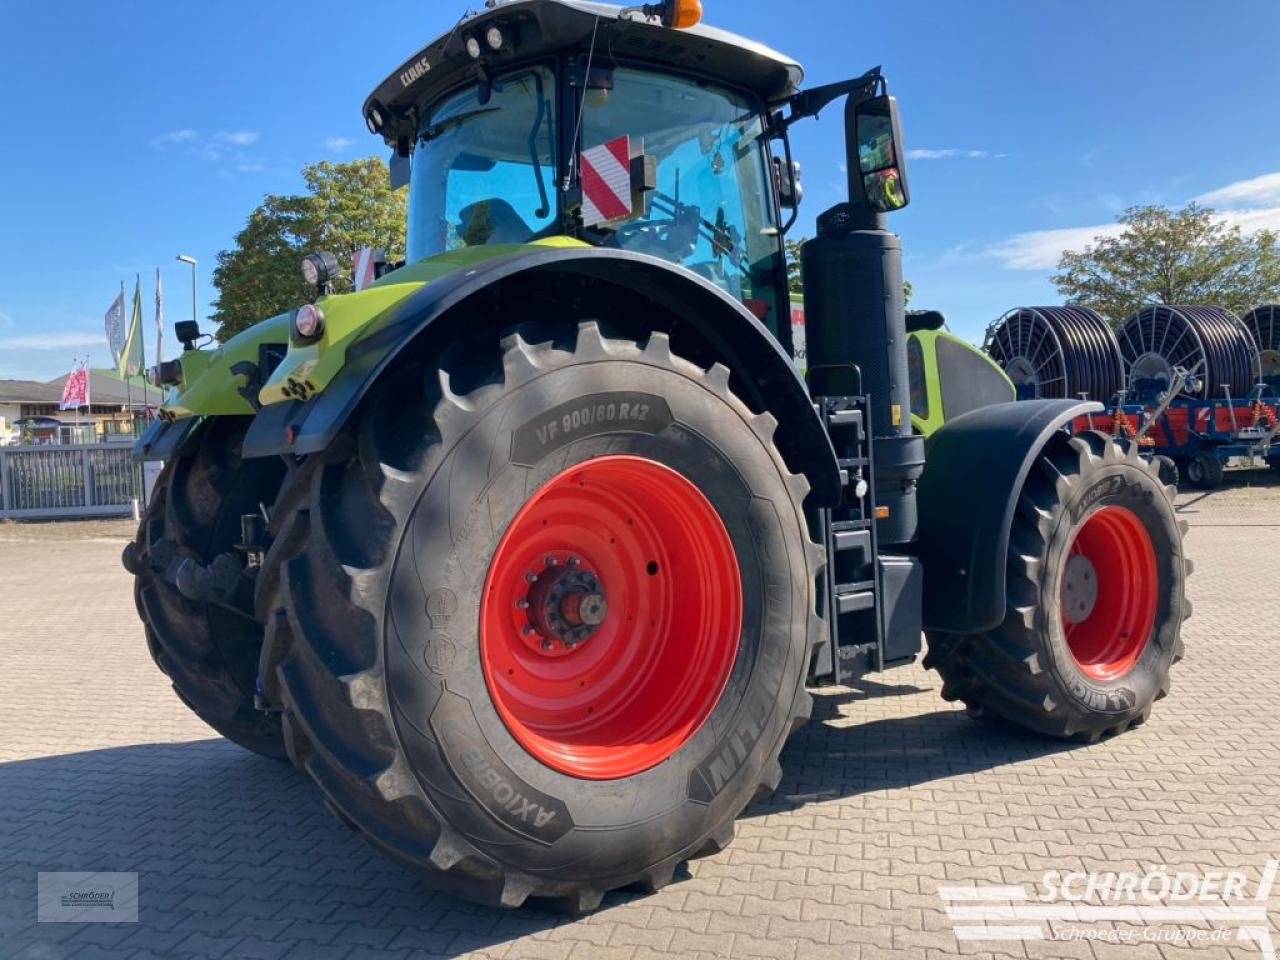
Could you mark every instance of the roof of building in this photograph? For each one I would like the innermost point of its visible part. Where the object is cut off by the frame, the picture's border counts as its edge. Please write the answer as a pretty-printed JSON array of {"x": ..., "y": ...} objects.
[
  {"x": 537, "y": 28},
  {"x": 105, "y": 387},
  {"x": 28, "y": 391}
]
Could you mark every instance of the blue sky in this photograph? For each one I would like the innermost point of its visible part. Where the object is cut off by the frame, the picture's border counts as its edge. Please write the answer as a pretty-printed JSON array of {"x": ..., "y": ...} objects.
[{"x": 136, "y": 131}]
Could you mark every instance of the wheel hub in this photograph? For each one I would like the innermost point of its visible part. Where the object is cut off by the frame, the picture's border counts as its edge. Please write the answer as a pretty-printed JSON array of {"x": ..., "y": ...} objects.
[
  {"x": 1110, "y": 584},
  {"x": 566, "y": 605},
  {"x": 1079, "y": 589},
  {"x": 611, "y": 618}
]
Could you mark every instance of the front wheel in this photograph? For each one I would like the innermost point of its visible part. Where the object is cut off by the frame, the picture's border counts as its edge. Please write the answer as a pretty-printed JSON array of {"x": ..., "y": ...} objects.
[
  {"x": 543, "y": 621},
  {"x": 1095, "y": 604}
]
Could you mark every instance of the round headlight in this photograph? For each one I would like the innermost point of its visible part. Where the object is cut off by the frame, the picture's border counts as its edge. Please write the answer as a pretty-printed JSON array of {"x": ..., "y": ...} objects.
[
  {"x": 493, "y": 37},
  {"x": 473, "y": 48},
  {"x": 308, "y": 322}
]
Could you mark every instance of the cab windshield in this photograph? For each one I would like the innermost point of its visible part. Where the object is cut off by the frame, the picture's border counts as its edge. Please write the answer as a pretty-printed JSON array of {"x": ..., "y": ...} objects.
[
  {"x": 485, "y": 170},
  {"x": 484, "y": 167},
  {"x": 712, "y": 210}
]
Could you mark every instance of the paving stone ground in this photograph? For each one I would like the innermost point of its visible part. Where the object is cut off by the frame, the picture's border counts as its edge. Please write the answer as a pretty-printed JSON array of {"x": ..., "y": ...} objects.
[{"x": 889, "y": 794}]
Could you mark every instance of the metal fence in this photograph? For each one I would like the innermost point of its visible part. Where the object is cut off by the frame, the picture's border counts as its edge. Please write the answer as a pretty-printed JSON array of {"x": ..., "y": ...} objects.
[{"x": 68, "y": 480}]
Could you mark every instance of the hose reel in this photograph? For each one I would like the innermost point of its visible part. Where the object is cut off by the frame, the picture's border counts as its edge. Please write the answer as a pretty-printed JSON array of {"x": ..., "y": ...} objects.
[
  {"x": 1264, "y": 323},
  {"x": 1211, "y": 344},
  {"x": 1057, "y": 352}
]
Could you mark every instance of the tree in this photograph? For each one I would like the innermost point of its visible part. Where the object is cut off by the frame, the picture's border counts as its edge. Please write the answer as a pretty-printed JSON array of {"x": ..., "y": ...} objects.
[
  {"x": 1162, "y": 256},
  {"x": 794, "y": 281},
  {"x": 347, "y": 206}
]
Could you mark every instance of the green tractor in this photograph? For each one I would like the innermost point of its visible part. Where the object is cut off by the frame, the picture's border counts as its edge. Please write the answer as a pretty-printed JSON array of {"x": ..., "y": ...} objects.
[{"x": 529, "y": 552}]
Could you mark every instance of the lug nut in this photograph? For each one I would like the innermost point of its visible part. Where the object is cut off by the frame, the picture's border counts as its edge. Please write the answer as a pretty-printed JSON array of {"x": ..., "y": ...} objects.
[
  {"x": 574, "y": 561},
  {"x": 531, "y": 577},
  {"x": 528, "y": 630},
  {"x": 551, "y": 561},
  {"x": 546, "y": 644},
  {"x": 522, "y": 604}
]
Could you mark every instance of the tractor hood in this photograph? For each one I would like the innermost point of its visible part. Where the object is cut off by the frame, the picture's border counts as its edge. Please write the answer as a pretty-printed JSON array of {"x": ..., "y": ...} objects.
[
  {"x": 262, "y": 366},
  {"x": 538, "y": 28}
]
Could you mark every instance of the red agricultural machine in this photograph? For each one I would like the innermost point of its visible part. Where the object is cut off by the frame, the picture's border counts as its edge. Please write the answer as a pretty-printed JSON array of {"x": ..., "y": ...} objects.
[{"x": 528, "y": 553}]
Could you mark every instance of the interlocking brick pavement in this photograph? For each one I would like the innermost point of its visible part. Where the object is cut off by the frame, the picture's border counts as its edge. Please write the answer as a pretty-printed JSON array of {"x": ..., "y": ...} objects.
[{"x": 888, "y": 793}]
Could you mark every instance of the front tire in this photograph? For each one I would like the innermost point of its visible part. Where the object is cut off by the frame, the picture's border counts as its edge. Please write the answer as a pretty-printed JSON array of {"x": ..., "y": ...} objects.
[
  {"x": 209, "y": 653},
  {"x": 1095, "y": 600},
  {"x": 436, "y": 683}
]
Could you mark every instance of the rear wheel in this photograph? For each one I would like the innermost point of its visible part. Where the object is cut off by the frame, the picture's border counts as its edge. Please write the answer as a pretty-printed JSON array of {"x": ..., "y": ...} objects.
[
  {"x": 209, "y": 653},
  {"x": 1203, "y": 470},
  {"x": 542, "y": 624},
  {"x": 1095, "y": 600},
  {"x": 1166, "y": 470}
]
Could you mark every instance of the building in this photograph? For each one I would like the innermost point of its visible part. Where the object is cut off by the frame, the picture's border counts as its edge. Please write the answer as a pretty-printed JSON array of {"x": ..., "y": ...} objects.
[{"x": 29, "y": 410}]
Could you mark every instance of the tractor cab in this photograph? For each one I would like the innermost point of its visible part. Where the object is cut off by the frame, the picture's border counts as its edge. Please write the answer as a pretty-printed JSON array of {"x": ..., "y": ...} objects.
[{"x": 544, "y": 118}]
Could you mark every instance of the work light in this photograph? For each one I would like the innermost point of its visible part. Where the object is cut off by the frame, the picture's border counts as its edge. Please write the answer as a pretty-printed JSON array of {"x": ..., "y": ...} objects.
[{"x": 320, "y": 269}]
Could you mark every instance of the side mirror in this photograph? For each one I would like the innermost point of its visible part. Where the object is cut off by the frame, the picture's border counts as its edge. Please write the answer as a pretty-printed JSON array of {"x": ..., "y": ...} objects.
[
  {"x": 399, "y": 167},
  {"x": 790, "y": 190},
  {"x": 878, "y": 174}
]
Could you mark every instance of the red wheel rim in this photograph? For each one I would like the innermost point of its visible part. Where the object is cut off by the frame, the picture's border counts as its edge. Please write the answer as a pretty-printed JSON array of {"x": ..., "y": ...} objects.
[
  {"x": 648, "y": 675},
  {"x": 1109, "y": 593}
]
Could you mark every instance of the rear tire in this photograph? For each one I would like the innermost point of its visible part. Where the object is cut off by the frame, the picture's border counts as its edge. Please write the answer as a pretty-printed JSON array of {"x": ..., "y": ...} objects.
[
  {"x": 209, "y": 653},
  {"x": 432, "y": 715},
  {"x": 1166, "y": 470},
  {"x": 1204, "y": 470},
  {"x": 1095, "y": 600}
]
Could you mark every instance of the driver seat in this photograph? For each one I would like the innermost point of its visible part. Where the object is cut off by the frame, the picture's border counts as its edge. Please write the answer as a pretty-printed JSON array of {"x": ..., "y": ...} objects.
[{"x": 492, "y": 221}]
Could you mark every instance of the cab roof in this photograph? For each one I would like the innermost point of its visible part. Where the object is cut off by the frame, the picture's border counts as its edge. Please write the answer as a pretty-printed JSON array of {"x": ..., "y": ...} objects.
[{"x": 536, "y": 28}]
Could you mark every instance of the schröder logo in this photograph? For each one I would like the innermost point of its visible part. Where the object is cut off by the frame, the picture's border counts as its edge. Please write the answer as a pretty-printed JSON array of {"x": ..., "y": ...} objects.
[
  {"x": 82, "y": 897},
  {"x": 1158, "y": 906},
  {"x": 90, "y": 898}
]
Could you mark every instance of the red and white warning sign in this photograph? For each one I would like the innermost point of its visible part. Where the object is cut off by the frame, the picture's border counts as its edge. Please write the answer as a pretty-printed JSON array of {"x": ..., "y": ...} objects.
[
  {"x": 606, "y": 182},
  {"x": 364, "y": 267}
]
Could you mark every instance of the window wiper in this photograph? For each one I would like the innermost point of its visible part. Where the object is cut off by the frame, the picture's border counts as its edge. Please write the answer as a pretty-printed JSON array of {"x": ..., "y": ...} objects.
[
  {"x": 545, "y": 203},
  {"x": 444, "y": 126}
]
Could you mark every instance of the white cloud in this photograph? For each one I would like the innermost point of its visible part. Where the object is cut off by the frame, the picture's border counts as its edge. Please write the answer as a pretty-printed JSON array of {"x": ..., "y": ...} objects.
[
  {"x": 174, "y": 137},
  {"x": 239, "y": 138},
  {"x": 1252, "y": 220},
  {"x": 1041, "y": 249},
  {"x": 338, "y": 144},
  {"x": 952, "y": 153},
  {"x": 1251, "y": 205},
  {"x": 1263, "y": 190},
  {"x": 54, "y": 340}
]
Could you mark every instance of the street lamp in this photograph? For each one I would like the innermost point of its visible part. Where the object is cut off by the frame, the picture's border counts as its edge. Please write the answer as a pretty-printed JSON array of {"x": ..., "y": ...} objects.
[{"x": 191, "y": 260}]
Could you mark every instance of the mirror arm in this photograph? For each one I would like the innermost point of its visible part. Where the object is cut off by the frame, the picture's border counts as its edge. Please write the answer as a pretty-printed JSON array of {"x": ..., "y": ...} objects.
[{"x": 809, "y": 103}]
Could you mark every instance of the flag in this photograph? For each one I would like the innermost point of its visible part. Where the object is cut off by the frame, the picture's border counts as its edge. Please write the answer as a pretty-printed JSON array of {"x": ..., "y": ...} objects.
[
  {"x": 132, "y": 357},
  {"x": 159, "y": 320},
  {"x": 115, "y": 327},
  {"x": 75, "y": 392}
]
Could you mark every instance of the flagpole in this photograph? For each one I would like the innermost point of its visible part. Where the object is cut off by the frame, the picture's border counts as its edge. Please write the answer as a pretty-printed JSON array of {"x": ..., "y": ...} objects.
[
  {"x": 70, "y": 377},
  {"x": 88, "y": 397},
  {"x": 142, "y": 343}
]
